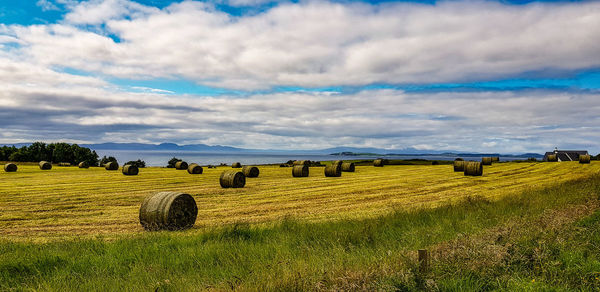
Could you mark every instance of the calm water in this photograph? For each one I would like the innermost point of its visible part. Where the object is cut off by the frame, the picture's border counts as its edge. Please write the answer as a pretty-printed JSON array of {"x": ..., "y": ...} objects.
[{"x": 160, "y": 158}]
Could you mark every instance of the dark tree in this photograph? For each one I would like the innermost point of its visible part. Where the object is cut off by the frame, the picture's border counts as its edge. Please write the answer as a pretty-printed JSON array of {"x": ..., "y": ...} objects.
[
  {"x": 53, "y": 152},
  {"x": 139, "y": 163},
  {"x": 105, "y": 160},
  {"x": 171, "y": 163}
]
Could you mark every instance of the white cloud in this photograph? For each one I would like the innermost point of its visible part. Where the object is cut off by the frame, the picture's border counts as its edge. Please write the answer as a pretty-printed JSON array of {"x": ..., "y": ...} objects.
[
  {"x": 46, "y": 5},
  {"x": 307, "y": 44},
  {"x": 248, "y": 3},
  {"x": 101, "y": 11},
  {"x": 319, "y": 43},
  {"x": 41, "y": 104}
]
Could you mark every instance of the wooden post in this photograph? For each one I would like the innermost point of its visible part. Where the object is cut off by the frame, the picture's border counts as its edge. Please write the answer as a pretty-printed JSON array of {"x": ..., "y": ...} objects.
[{"x": 423, "y": 261}]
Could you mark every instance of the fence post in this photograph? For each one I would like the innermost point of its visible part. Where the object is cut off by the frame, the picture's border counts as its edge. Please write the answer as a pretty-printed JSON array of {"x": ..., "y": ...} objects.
[{"x": 423, "y": 262}]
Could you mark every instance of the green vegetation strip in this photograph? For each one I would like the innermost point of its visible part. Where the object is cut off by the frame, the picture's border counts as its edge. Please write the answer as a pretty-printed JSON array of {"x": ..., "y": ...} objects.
[{"x": 541, "y": 239}]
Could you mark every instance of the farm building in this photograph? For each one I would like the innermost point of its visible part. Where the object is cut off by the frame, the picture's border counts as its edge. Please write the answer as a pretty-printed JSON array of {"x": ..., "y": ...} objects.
[{"x": 566, "y": 155}]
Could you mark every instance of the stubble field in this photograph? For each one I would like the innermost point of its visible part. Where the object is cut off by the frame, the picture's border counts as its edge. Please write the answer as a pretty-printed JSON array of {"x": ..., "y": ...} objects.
[{"x": 68, "y": 202}]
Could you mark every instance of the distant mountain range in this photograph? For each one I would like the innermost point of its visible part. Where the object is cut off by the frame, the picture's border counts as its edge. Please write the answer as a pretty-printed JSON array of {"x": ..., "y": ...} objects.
[{"x": 229, "y": 149}]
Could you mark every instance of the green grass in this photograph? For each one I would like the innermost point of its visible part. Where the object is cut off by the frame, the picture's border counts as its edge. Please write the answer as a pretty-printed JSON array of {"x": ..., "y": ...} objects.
[{"x": 540, "y": 239}]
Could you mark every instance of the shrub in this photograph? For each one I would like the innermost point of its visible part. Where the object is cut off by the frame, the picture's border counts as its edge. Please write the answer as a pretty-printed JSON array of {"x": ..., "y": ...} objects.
[{"x": 138, "y": 163}]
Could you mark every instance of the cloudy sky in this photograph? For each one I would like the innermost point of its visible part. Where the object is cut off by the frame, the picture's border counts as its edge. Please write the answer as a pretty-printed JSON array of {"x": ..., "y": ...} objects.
[{"x": 486, "y": 76}]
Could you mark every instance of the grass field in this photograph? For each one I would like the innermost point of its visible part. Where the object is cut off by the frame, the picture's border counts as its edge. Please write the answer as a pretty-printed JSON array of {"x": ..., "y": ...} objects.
[
  {"x": 68, "y": 202},
  {"x": 520, "y": 227}
]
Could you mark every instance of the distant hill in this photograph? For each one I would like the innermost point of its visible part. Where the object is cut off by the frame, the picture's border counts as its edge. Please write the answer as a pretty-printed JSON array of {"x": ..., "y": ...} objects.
[
  {"x": 327, "y": 151},
  {"x": 162, "y": 147}
]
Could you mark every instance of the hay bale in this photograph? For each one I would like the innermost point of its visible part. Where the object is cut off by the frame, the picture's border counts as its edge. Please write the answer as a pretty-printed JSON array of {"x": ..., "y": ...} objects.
[
  {"x": 236, "y": 165},
  {"x": 129, "y": 169},
  {"x": 113, "y": 165},
  {"x": 64, "y": 164},
  {"x": 585, "y": 159},
  {"x": 168, "y": 210},
  {"x": 495, "y": 159},
  {"x": 333, "y": 170},
  {"x": 83, "y": 164},
  {"x": 45, "y": 165},
  {"x": 459, "y": 165},
  {"x": 181, "y": 165},
  {"x": 250, "y": 171},
  {"x": 302, "y": 162},
  {"x": 379, "y": 162},
  {"x": 211, "y": 166},
  {"x": 232, "y": 179},
  {"x": 486, "y": 160},
  {"x": 10, "y": 167},
  {"x": 194, "y": 168},
  {"x": 473, "y": 168},
  {"x": 348, "y": 166},
  {"x": 300, "y": 170}
]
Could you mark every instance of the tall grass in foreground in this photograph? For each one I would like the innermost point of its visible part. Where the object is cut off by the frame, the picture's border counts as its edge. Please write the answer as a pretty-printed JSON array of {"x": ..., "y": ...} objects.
[{"x": 541, "y": 239}]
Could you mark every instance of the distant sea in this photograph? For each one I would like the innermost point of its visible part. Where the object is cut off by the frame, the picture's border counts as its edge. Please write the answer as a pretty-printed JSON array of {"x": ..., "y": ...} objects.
[{"x": 160, "y": 158}]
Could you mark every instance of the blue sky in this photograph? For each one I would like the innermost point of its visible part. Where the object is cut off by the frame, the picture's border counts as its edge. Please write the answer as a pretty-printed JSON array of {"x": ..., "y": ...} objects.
[{"x": 304, "y": 74}]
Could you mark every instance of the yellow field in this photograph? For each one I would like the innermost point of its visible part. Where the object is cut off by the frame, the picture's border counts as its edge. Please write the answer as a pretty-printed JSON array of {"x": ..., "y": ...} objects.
[{"x": 69, "y": 202}]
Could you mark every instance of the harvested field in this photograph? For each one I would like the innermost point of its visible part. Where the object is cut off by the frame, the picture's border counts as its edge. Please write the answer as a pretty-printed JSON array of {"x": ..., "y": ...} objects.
[{"x": 71, "y": 202}]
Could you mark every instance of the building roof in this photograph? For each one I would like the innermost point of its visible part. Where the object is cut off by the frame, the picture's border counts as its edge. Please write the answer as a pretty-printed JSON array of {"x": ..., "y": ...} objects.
[{"x": 567, "y": 155}]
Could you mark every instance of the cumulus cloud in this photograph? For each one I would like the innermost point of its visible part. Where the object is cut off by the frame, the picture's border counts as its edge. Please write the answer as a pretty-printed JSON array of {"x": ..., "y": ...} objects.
[
  {"x": 318, "y": 43},
  {"x": 310, "y": 44},
  {"x": 100, "y": 11},
  {"x": 42, "y": 104}
]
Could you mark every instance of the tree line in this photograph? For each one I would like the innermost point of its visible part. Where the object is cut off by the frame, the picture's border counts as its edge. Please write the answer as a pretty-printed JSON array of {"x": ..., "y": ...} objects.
[{"x": 53, "y": 152}]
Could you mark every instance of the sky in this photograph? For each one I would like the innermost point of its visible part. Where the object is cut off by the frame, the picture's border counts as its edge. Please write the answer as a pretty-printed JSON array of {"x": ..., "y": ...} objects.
[{"x": 479, "y": 76}]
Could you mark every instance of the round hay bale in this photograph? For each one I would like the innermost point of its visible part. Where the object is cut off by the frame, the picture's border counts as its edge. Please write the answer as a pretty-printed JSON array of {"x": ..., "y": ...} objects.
[
  {"x": 211, "y": 166},
  {"x": 236, "y": 165},
  {"x": 232, "y": 179},
  {"x": 194, "y": 168},
  {"x": 378, "y": 162},
  {"x": 83, "y": 164},
  {"x": 348, "y": 166},
  {"x": 585, "y": 159},
  {"x": 181, "y": 165},
  {"x": 486, "y": 160},
  {"x": 45, "y": 165},
  {"x": 111, "y": 165},
  {"x": 459, "y": 165},
  {"x": 10, "y": 167},
  {"x": 552, "y": 158},
  {"x": 129, "y": 169},
  {"x": 300, "y": 170},
  {"x": 495, "y": 159},
  {"x": 333, "y": 170},
  {"x": 250, "y": 171},
  {"x": 168, "y": 210},
  {"x": 473, "y": 168},
  {"x": 302, "y": 162},
  {"x": 64, "y": 164}
]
